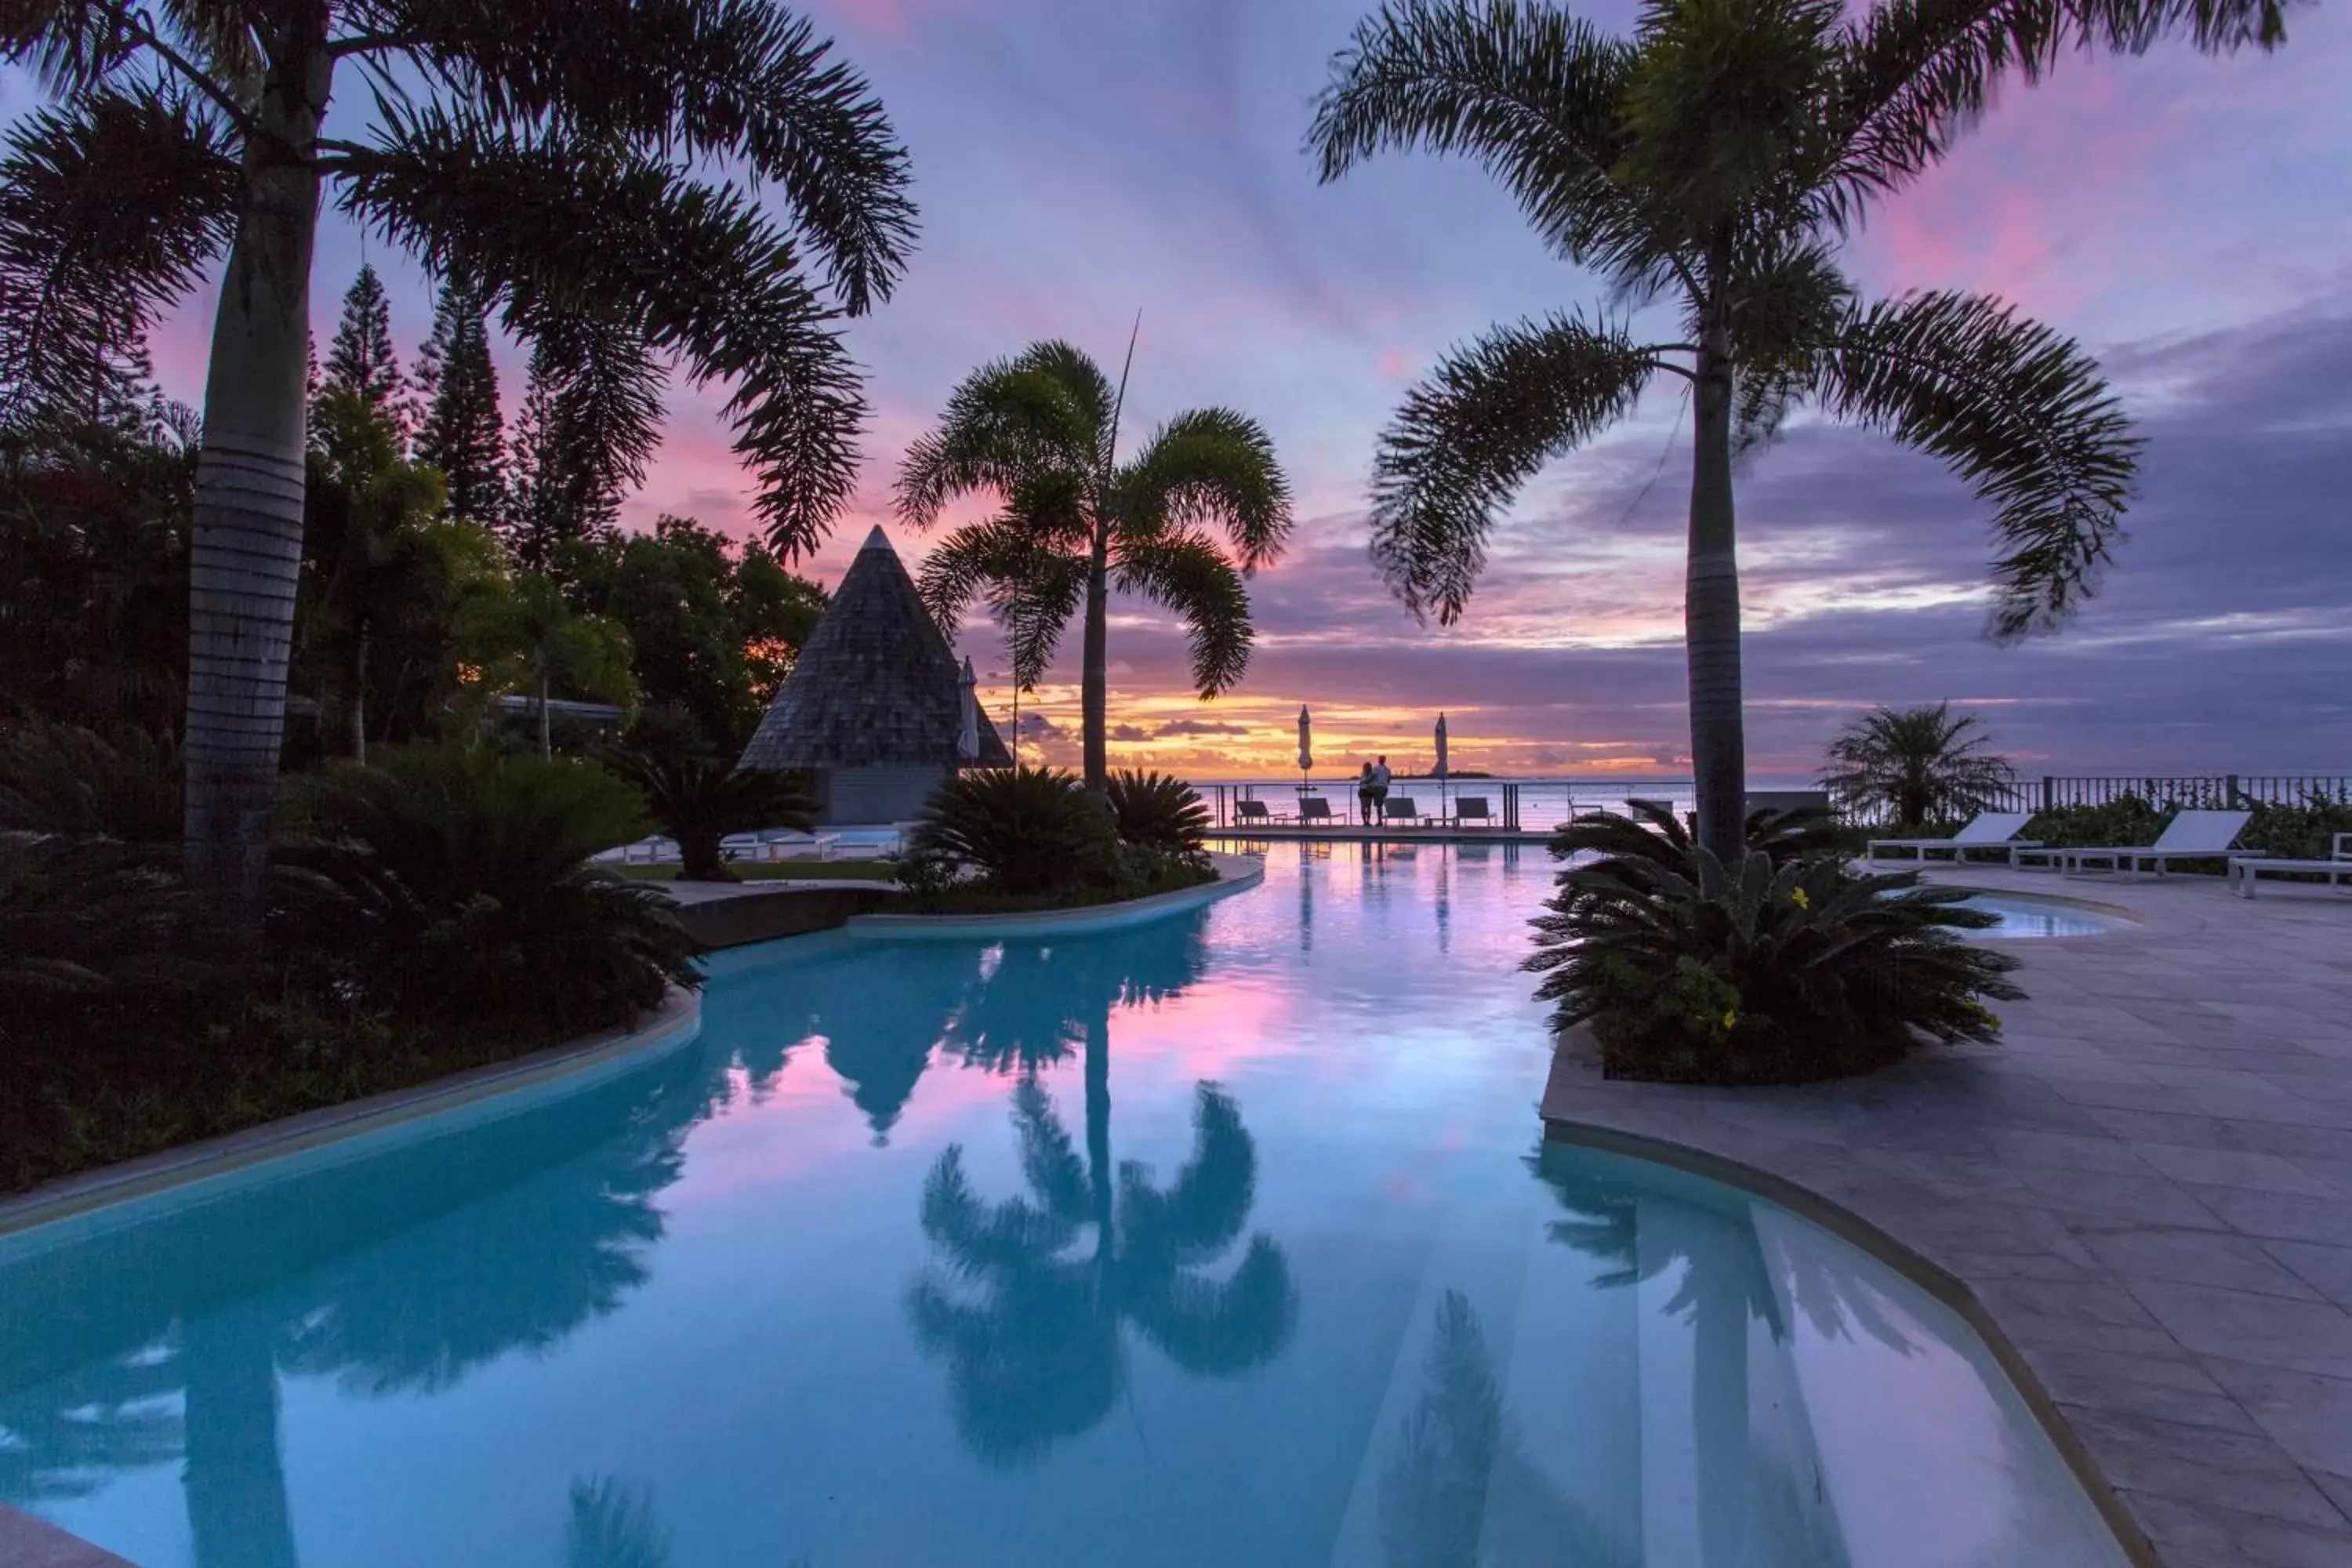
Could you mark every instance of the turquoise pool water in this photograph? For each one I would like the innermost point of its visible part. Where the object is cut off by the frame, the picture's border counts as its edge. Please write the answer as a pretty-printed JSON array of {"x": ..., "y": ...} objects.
[
  {"x": 1228, "y": 1240},
  {"x": 2023, "y": 916}
]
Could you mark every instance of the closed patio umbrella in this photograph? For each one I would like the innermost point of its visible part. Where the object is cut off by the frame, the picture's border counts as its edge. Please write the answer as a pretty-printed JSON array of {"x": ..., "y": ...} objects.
[
  {"x": 1441, "y": 766},
  {"x": 967, "y": 726},
  {"x": 1305, "y": 746}
]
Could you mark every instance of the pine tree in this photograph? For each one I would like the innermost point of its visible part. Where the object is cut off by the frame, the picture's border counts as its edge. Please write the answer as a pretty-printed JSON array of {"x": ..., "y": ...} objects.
[
  {"x": 361, "y": 359},
  {"x": 463, "y": 433},
  {"x": 565, "y": 484}
]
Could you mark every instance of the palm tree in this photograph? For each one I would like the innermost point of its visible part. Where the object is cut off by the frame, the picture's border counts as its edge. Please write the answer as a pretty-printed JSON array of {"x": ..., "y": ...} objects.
[
  {"x": 1921, "y": 763},
  {"x": 701, "y": 799},
  {"x": 1715, "y": 162},
  {"x": 566, "y": 163},
  {"x": 1040, "y": 432}
]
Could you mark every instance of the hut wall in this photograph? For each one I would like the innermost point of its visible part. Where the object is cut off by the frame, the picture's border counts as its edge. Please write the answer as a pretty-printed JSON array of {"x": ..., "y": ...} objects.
[{"x": 853, "y": 798}]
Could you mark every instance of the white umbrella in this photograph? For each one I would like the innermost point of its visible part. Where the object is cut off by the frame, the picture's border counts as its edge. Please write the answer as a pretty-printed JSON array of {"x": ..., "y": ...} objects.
[
  {"x": 1440, "y": 764},
  {"x": 1305, "y": 744},
  {"x": 968, "y": 717}
]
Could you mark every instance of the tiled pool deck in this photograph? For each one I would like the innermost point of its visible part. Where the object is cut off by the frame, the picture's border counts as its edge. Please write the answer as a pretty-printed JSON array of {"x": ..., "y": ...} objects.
[{"x": 2147, "y": 1191}]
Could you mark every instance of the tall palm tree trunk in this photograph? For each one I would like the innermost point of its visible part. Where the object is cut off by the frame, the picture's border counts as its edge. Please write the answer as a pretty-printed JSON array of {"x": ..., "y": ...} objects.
[
  {"x": 1094, "y": 719},
  {"x": 1711, "y": 615},
  {"x": 359, "y": 699},
  {"x": 235, "y": 1477},
  {"x": 246, "y": 548}
]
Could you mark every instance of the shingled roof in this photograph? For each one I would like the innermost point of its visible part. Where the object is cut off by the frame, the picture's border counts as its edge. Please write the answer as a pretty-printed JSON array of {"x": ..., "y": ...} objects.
[{"x": 875, "y": 686}]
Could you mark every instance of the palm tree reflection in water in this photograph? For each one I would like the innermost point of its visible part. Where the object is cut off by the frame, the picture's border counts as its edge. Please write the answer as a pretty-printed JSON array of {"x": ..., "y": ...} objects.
[
  {"x": 1030, "y": 1326},
  {"x": 1752, "y": 1506}
]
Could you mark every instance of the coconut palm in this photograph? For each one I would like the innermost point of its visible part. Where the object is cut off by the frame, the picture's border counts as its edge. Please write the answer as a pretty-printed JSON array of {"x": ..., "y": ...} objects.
[
  {"x": 1040, "y": 433},
  {"x": 1715, "y": 162},
  {"x": 565, "y": 164},
  {"x": 1922, "y": 765}
]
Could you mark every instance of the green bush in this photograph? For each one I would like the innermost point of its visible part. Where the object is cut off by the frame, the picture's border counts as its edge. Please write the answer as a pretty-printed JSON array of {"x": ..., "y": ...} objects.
[
  {"x": 123, "y": 784},
  {"x": 1015, "y": 831},
  {"x": 2303, "y": 832},
  {"x": 1159, "y": 812},
  {"x": 2126, "y": 819},
  {"x": 1654, "y": 832},
  {"x": 1782, "y": 972},
  {"x": 701, "y": 799},
  {"x": 456, "y": 881}
]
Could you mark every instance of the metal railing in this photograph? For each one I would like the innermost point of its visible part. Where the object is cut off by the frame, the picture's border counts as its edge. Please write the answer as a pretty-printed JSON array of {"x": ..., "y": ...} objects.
[{"x": 1541, "y": 806}]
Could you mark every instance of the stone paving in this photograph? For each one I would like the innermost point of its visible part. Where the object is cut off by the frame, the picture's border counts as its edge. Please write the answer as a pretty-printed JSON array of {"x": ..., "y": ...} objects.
[{"x": 2147, "y": 1191}]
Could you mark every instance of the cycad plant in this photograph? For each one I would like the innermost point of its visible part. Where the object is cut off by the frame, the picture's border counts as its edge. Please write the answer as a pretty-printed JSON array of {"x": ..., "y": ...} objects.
[
  {"x": 1919, "y": 764},
  {"x": 1714, "y": 162},
  {"x": 1158, "y": 812},
  {"x": 1039, "y": 433},
  {"x": 1764, "y": 971},
  {"x": 571, "y": 165},
  {"x": 1018, "y": 831},
  {"x": 699, "y": 799}
]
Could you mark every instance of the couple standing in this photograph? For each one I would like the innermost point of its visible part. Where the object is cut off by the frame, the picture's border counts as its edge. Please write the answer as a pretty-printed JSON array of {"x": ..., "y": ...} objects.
[{"x": 1372, "y": 788}]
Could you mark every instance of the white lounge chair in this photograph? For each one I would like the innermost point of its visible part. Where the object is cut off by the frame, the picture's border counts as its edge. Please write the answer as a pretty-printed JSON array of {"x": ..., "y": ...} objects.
[
  {"x": 1472, "y": 808},
  {"x": 1987, "y": 830},
  {"x": 1315, "y": 809},
  {"x": 2189, "y": 835},
  {"x": 1400, "y": 808},
  {"x": 2244, "y": 868},
  {"x": 1246, "y": 812}
]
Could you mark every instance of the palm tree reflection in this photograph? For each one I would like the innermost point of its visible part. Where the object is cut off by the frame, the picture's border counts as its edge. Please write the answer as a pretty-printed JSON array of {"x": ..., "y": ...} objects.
[
  {"x": 485, "y": 1239},
  {"x": 1032, "y": 1306}
]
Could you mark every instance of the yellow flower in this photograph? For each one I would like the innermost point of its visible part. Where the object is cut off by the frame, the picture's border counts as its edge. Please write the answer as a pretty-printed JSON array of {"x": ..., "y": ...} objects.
[
  {"x": 1798, "y": 897},
  {"x": 1731, "y": 1018}
]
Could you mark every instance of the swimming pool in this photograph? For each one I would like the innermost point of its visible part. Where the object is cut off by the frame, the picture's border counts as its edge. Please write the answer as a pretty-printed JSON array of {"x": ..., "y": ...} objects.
[
  {"x": 2023, "y": 916},
  {"x": 1226, "y": 1240}
]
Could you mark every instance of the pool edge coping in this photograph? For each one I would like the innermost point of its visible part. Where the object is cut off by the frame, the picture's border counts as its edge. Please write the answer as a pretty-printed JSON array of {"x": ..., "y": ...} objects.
[
  {"x": 676, "y": 1019},
  {"x": 1945, "y": 1285},
  {"x": 1235, "y": 873}
]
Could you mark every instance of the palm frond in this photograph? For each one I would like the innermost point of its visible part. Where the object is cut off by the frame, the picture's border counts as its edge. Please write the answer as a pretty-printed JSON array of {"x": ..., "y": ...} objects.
[
  {"x": 1918, "y": 74},
  {"x": 1786, "y": 297},
  {"x": 607, "y": 386},
  {"x": 696, "y": 80},
  {"x": 110, "y": 209},
  {"x": 2019, "y": 412},
  {"x": 554, "y": 225},
  {"x": 1213, "y": 467},
  {"x": 1466, "y": 440},
  {"x": 1186, "y": 574},
  {"x": 1010, "y": 424},
  {"x": 1532, "y": 95},
  {"x": 1031, "y": 589}
]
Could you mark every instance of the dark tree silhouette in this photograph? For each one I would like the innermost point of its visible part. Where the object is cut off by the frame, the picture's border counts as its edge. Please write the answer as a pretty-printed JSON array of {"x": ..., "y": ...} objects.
[{"x": 463, "y": 432}]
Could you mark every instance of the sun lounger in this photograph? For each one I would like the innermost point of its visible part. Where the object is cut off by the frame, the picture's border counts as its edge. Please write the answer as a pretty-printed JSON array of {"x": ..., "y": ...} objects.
[
  {"x": 1247, "y": 813},
  {"x": 1988, "y": 830},
  {"x": 1314, "y": 809},
  {"x": 1400, "y": 808},
  {"x": 2189, "y": 835},
  {"x": 2244, "y": 868},
  {"x": 1470, "y": 809}
]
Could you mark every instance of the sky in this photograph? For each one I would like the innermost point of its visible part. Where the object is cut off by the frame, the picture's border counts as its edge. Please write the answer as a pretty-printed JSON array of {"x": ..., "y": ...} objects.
[{"x": 2188, "y": 219}]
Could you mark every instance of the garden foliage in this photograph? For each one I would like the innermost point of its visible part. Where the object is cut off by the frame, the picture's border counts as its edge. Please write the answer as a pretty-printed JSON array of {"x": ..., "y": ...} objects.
[{"x": 1780, "y": 970}]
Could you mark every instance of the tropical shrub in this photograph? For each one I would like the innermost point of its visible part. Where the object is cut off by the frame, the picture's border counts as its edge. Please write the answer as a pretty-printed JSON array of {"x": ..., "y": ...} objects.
[
  {"x": 123, "y": 784},
  {"x": 1917, "y": 765},
  {"x": 2126, "y": 820},
  {"x": 1654, "y": 832},
  {"x": 457, "y": 879},
  {"x": 1157, "y": 811},
  {"x": 1776, "y": 972},
  {"x": 1019, "y": 831},
  {"x": 699, "y": 799},
  {"x": 2303, "y": 832}
]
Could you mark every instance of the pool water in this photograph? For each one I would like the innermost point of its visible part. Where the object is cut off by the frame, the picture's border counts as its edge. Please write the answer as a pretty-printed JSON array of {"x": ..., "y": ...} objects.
[
  {"x": 1228, "y": 1240},
  {"x": 2024, "y": 916}
]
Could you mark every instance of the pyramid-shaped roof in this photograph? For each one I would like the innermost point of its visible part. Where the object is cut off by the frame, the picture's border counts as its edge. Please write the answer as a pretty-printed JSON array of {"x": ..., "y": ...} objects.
[{"x": 876, "y": 685}]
